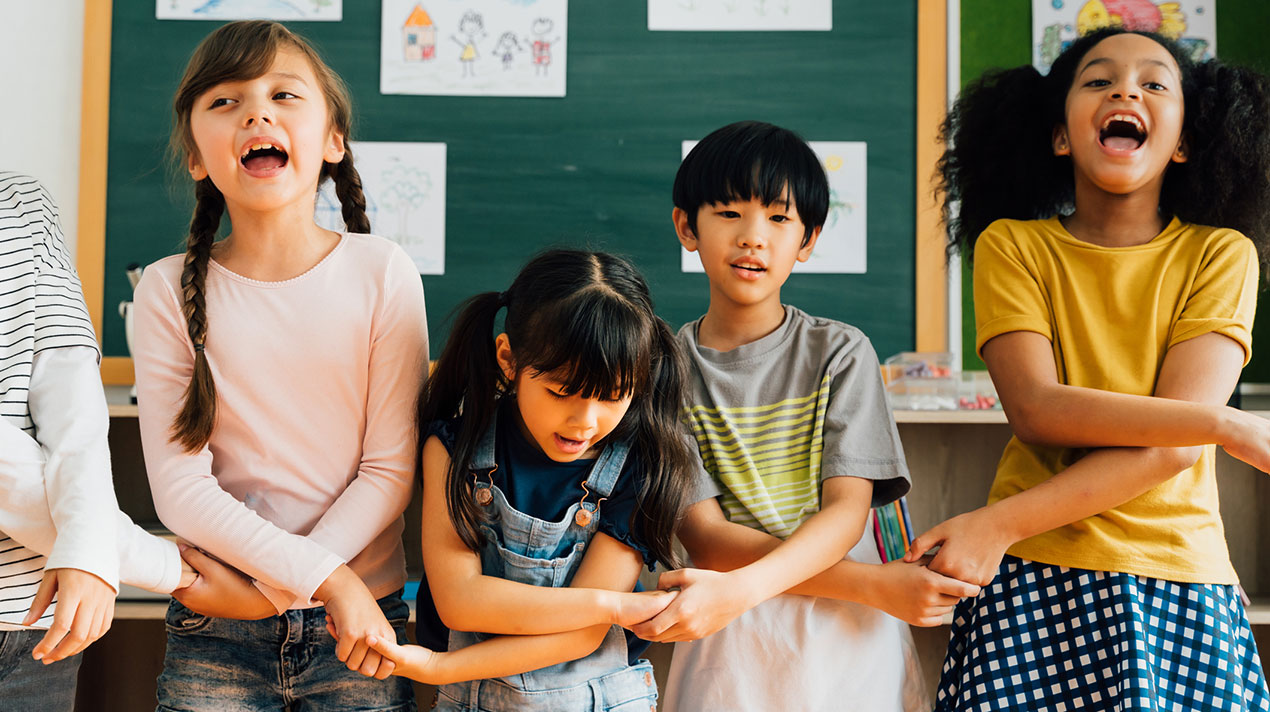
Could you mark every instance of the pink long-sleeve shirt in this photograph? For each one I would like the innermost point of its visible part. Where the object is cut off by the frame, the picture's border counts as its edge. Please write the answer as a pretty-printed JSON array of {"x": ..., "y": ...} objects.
[{"x": 311, "y": 461}]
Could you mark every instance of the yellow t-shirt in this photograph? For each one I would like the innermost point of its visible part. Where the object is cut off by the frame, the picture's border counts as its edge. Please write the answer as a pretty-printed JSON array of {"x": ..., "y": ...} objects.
[{"x": 1111, "y": 314}]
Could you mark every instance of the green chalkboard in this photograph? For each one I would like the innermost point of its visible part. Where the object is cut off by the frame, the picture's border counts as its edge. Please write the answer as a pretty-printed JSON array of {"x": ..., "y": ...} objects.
[
  {"x": 594, "y": 168},
  {"x": 998, "y": 33}
]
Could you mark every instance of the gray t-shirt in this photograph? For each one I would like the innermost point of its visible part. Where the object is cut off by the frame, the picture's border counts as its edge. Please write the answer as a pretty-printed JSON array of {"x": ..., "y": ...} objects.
[{"x": 773, "y": 418}]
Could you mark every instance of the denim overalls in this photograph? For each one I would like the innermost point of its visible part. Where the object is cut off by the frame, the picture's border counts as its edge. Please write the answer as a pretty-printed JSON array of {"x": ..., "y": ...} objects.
[{"x": 522, "y": 548}]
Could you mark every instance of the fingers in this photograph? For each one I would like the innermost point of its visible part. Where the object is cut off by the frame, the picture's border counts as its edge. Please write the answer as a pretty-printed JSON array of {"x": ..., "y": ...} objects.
[
  {"x": 386, "y": 648},
  {"x": 653, "y": 629},
  {"x": 674, "y": 579},
  {"x": 923, "y": 544},
  {"x": 370, "y": 663},
  {"x": 63, "y": 617},
  {"x": 200, "y": 562},
  {"x": 43, "y": 598}
]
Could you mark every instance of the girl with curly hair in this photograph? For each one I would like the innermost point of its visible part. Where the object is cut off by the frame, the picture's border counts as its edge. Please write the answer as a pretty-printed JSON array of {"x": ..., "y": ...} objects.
[{"x": 1117, "y": 210}]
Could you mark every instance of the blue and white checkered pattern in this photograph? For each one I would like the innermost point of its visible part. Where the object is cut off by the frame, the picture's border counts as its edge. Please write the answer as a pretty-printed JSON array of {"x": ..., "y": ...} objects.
[{"x": 1051, "y": 638}]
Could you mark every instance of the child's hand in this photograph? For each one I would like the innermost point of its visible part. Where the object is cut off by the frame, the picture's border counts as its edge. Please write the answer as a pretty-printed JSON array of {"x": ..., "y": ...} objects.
[
  {"x": 355, "y": 616},
  {"x": 970, "y": 547},
  {"x": 634, "y": 608},
  {"x": 413, "y": 661},
  {"x": 707, "y": 601},
  {"x": 219, "y": 590},
  {"x": 85, "y": 607},
  {"x": 915, "y": 594},
  {"x": 1249, "y": 440},
  {"x": 188, "y": 575}
]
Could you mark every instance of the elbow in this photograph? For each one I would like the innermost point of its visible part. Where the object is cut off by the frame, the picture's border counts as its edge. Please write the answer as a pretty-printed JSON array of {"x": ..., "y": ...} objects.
[
  {"x": 455, "y": 616},
  {"x": 1033, "y": 423},
  {"x": 1173, "y": 460},
  {"x": 588, "y": 641}
]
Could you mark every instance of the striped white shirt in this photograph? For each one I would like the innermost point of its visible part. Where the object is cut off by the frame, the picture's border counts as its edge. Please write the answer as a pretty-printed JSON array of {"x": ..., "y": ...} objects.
[{"x": 42, "y": 309}]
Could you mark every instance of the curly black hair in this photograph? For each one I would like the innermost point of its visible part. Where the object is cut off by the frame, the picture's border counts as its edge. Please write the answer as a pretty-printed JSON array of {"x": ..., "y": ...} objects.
[{"x": 999, "y": 160}]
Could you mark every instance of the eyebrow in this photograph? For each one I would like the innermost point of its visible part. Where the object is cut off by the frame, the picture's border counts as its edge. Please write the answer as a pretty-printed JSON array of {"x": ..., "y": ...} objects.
[
  {"x": 288, "y": 75},
  {"x": 1108, "y": 60}
]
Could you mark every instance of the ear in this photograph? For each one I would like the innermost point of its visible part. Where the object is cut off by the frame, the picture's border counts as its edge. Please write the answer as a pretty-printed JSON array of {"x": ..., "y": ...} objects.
[
  {"x": 334, "y": 152},
  {"x": 1062, "y": 146},
  {"x": 679, "y": 217},
  {"x": 506, "y": 359},
  {"x": 195, "y": 166},
  {"x": 1183, "y": 150},
  {"x": 804, "y": 252}
]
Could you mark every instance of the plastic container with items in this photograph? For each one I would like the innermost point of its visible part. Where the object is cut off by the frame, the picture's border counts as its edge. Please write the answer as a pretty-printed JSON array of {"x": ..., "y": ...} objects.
[{"x": 926, "y": 380}]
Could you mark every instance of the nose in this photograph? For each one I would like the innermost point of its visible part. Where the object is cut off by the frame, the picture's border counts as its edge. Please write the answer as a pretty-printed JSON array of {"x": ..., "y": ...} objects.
[
  {"x": 584, "y": 414},
  {"x": 753, "y": 234},
  {"x": 257, "y": 114},
  {"x": 1126, "y": 93}
]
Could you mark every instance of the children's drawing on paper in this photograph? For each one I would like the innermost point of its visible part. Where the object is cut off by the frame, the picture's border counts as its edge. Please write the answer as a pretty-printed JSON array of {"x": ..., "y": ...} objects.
[
  {"x": 331, "y": 10},
  {"x": 474, "y": 48},
  {"x": 733, "y": 15},
  {"x": 1056, "y": 23},
  {"x": 843, "y": 244},
  {"x": 404, "y": 185}
]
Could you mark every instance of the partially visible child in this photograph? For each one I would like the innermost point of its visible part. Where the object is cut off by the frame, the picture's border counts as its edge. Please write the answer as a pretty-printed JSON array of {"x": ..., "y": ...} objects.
[
  {"x": 794, "y": 430},
  {"x": 276, "y": 374},
  {"x": 61, "y": 533},
  {"x": 1115, "y": 209},
  {"x": 554, "y": 469}
]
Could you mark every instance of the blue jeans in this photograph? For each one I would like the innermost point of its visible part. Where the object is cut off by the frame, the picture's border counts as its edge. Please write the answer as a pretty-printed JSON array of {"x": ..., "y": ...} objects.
[
  {"x": 284, "y": 663},
  {"x": 28, "y": 684}
]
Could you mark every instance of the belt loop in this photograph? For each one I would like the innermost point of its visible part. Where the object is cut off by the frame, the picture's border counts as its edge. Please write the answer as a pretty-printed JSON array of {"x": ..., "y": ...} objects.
[
  {"x": 597, "y": 696},
  {"x": 474, "y": 695}
]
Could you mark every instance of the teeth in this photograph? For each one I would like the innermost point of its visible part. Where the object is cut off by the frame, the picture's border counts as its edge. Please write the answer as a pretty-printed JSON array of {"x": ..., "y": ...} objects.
[
  {"x": 1128, "y": 118},
  {"x": 258, "y": 147}
]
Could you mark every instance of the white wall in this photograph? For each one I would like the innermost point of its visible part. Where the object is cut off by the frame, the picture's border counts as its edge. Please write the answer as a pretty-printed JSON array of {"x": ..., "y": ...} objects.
[{"x": 41, "y": 55}]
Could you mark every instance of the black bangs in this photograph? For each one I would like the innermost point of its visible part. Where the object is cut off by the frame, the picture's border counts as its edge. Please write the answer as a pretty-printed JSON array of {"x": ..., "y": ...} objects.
[
  {"x": 752, "y": 160},
  {"x": 592, "y": 342}
]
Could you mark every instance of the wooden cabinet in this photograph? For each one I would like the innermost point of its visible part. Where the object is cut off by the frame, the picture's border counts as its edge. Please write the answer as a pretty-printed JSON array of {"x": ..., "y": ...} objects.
[{"x": 952, "y": 456}]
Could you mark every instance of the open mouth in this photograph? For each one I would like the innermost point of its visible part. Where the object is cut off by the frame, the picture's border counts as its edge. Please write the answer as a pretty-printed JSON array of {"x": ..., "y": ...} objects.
[
  {"x": 750, "y": 268},
  {"x": 1122, "y": 132},
  {"x": 261, "y": 158}
]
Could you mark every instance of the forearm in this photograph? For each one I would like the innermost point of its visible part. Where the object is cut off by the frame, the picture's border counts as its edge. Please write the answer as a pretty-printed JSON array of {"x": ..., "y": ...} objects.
[
  {"x": 488, "y": 604},
  {"x": 1100, "y": 481},
  {"x": 739, "y": 545},
  {"x": 819, "y": 543},
  {"x": 1071, "y": 416},
  {"x": 515, "y": 654}
]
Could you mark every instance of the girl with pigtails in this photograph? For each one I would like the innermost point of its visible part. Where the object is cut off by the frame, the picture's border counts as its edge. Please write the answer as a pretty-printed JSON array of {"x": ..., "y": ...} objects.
[
  {"x": 276, "y": 372},
  {"x": 1117, "y": 210},
  {"x": 555, "y": 466}
]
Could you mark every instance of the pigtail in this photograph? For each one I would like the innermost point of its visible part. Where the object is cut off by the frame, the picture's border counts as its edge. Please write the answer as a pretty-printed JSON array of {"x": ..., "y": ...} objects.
[
  {"x": 999, "y": 160},
  {"x": 192, "y": 427},
  {"x": 1225, "y": 181},
  {"x": 348, "y": 188},
  {"x": 467, "y": 381},
  {"x": 660, "y": 443}
]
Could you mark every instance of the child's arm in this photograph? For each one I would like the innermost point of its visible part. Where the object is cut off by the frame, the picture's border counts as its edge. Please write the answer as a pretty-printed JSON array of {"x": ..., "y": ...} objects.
[
  {"x": 908, "y": 591},
  {"x": 385, "y": 478},
  {"x": 1044, "y": 411},
  {"x": 468, "y": 600},
  {"x": 608, "y": 565},
  {"x": 709, "y": 600},
  {"x": 1202, "y": 370}
]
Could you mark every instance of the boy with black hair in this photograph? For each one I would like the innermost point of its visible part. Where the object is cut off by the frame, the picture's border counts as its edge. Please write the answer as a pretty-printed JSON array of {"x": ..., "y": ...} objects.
[{"x": 791, "y": 420}]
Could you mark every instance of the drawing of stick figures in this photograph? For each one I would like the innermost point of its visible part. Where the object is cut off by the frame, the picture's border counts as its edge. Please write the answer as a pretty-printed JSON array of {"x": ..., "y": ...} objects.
[
  {"x": 541, "y": 45},
  {"x": 506, "y": 48},
  {"x": 472, "y": 27}
]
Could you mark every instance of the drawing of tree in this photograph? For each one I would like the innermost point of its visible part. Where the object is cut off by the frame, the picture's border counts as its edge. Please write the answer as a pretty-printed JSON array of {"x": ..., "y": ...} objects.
[{"x": 406, "y": 189}]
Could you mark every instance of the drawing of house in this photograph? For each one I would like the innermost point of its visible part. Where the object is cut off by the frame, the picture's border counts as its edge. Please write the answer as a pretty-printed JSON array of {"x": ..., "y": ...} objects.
[{"x": 419, "y": 36}]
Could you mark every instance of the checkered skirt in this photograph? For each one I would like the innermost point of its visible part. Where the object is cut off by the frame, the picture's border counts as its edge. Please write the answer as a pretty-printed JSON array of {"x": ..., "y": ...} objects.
[{"x": 1050, "y": 638}]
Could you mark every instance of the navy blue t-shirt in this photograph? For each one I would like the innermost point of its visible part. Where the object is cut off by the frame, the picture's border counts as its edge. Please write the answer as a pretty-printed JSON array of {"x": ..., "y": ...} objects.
[{"x": 540, "y": 487}]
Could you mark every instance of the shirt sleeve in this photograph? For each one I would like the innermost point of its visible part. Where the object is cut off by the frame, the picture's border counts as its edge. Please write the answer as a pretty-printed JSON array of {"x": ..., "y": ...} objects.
[
  {"x": 860, "y": 437},
  {"x": 386, "y": 475},
  {"x": 1008, "y": 296},
  {"x": 702, "y": 485},
  {"x": 68, "y": 408},
  {"x": 187, "y": 497},
  {"x": 1223, "y": 296}
]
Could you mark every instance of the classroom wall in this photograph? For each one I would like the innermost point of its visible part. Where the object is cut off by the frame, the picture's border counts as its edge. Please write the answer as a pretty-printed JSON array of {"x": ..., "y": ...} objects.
[{"x": 39, "y": 127}]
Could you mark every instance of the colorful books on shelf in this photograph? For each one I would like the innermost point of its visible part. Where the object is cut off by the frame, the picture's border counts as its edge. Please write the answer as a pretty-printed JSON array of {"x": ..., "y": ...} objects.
[{"x": 892, "y": 529}]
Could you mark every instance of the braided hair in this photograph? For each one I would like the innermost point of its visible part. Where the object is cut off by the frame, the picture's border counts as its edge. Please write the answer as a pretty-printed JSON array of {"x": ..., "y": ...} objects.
[{"x": 234, "y": 52}]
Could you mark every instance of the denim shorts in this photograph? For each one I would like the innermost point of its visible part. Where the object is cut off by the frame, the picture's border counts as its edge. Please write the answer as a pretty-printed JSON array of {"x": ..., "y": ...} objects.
[
  {"x": 28, "y": 684},
  {"x": 285, "y": 662}
]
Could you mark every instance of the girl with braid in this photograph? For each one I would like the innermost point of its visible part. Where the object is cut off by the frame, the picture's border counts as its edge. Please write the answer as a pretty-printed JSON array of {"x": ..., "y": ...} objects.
[{"x": 277, "y": 370}]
